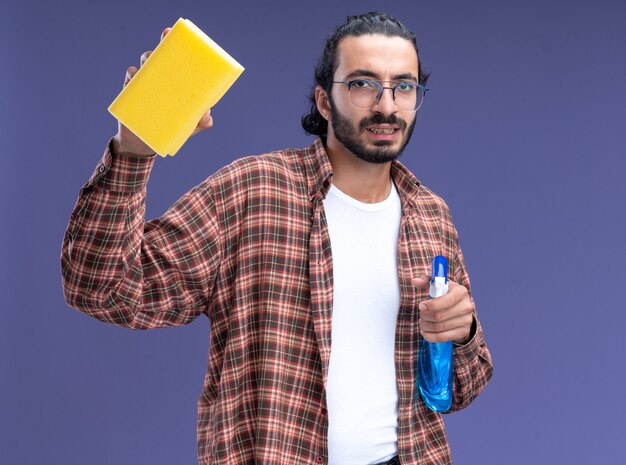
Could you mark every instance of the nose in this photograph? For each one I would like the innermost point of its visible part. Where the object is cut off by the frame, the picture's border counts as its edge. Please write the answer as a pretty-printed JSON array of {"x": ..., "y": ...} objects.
[{"x": 386, "y": 104}]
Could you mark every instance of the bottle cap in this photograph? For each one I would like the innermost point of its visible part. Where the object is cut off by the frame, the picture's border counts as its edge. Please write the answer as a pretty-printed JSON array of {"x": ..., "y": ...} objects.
[{"x": 440, "y": 268}]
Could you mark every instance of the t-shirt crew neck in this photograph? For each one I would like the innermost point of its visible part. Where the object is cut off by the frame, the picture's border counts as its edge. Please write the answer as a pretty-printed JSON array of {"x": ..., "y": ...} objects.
[{"x": 372, "y": 207}]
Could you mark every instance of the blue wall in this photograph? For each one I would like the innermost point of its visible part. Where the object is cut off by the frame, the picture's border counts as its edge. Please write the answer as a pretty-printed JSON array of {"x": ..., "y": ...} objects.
[{"x": 523, "y": 132}]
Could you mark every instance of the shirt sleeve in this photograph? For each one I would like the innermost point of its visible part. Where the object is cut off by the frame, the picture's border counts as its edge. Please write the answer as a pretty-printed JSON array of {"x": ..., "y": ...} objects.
[
  {"x": 473, "y": 367},
  {"x": 123, "y": 270}
]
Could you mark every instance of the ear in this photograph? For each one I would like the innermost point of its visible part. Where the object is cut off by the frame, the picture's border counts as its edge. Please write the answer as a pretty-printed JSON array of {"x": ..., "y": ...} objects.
[{"x": 322, "y": 102}]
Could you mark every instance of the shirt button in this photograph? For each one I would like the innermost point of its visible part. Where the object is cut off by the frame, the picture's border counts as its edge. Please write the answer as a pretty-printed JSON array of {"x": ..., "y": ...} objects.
[
  {"x": 101, "y": 168},
  {"x": 319, "y": 459}
]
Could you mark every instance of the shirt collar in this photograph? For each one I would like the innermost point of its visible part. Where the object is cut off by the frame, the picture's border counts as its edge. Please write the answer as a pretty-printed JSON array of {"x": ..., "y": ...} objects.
[
  {"x": 319, "y": 171},
  {"x": 407, "y": 184},
  {"x": 319, "y": 174}
]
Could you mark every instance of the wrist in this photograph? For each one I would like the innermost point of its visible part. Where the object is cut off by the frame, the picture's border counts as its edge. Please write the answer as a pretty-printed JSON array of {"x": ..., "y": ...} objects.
[
  {"x": 469, "y": 337},
  {"x": 136, "y": 149}
]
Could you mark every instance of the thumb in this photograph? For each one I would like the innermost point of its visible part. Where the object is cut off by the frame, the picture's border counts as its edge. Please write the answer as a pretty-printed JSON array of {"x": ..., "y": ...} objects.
[{"x": 421, "y": 282}]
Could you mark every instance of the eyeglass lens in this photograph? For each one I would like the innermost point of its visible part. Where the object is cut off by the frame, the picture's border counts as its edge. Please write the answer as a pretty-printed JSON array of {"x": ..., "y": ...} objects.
[{"x": 365, "y": 94}]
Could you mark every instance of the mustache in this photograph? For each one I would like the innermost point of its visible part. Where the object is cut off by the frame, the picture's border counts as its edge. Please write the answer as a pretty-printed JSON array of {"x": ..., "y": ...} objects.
[{"x": 382, "y": 119}]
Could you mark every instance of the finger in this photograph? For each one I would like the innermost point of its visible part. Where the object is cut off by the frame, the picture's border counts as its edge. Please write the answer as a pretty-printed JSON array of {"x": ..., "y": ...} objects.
[
  {"x": 462, "y": 322},
  {"x": 130, "y": 72},
  {"x": 454, "y": 304},
  {"x": 206, "y": 121},
  {"x": 445, "y": 321},
  {"x": 456, "y": 293},
  {"x": 451, "y": 324},
  {"x": 165, "y": 31},
  {"x": 460, "y": 309},
  {"x": 421, "y": 282},
  {"x": 460, "y": 333},
  {"x": 144, "y": 56},
  {"x": 442, "y": 318}
]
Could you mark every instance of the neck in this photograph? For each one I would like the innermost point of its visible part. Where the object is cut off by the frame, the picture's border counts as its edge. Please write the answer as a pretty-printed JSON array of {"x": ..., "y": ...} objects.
[{"x": 364, "y": 181}]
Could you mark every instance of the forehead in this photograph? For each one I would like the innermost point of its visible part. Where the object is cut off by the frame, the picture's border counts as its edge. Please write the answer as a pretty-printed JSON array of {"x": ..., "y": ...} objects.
[{"x": 381, "y": 55}]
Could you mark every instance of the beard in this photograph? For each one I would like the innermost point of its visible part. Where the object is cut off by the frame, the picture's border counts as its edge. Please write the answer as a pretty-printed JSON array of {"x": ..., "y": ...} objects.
[{"x": 383, "y": 151}]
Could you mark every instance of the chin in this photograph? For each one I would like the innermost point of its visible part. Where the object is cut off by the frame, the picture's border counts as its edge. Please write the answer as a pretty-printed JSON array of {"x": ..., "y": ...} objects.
[{"x": 378, "y": 153}]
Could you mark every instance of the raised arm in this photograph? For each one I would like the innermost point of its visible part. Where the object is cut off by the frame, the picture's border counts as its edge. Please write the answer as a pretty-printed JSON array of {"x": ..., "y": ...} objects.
[{"x": 122, "y": 270}]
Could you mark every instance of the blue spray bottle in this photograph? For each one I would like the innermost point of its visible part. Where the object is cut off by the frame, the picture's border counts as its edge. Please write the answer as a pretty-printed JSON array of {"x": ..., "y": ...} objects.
[{"x": 435, "y": 358}]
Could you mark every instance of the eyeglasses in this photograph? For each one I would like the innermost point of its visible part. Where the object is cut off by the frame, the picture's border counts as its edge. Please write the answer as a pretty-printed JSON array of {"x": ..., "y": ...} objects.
[{"x": 365, "y": 93}]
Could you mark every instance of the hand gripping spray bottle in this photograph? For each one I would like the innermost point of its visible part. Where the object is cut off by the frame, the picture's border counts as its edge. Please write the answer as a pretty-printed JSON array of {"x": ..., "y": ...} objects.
[{"x": 435, "y": 358}]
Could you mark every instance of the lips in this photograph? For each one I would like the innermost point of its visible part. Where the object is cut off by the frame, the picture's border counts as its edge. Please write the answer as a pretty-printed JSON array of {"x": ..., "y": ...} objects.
[
  {"x": 382, "y": 130},
  {"x": 381, "y": 125}
]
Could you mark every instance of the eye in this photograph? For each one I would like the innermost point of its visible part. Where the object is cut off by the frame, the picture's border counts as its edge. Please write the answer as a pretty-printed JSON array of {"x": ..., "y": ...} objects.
[
  {"x": 405, "y": 87},
  {"x": 362, "y": 84}
]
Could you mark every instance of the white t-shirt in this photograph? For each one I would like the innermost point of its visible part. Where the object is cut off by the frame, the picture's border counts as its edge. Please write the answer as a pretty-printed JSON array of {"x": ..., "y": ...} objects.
[{"x": 362, "y": 393}]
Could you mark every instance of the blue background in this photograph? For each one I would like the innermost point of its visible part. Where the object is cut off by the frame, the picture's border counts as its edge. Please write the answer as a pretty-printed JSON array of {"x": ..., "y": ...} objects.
[{"x": 523, "y": 133}]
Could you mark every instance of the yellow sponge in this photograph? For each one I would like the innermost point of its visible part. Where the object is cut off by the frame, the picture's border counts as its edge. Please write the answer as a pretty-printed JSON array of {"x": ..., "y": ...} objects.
[{"x": 186, "y": 74}]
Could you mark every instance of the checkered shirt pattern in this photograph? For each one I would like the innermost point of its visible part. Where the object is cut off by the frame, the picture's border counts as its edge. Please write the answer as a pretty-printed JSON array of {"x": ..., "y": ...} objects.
[{"x": 249, "y": 248}]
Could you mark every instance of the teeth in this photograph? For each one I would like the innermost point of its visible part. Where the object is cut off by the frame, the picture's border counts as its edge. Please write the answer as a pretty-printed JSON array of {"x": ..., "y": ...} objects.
[{"x": 382, "y": 131}]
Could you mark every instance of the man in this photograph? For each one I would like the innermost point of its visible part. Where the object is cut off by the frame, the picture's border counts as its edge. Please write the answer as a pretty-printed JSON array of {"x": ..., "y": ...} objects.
[{"x": 311, "y": 265}]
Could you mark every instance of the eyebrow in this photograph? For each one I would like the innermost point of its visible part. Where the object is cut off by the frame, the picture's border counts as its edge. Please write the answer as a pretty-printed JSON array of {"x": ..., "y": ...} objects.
[{"x": 370, "y": 74}]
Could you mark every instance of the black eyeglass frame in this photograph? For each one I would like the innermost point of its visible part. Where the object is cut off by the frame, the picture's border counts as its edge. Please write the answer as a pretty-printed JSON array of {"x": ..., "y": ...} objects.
[{"x": 382, "y": 88}]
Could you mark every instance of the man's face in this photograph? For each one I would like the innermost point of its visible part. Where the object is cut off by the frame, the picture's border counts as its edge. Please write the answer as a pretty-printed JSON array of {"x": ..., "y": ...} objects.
[{"x": 378, "y": 134}]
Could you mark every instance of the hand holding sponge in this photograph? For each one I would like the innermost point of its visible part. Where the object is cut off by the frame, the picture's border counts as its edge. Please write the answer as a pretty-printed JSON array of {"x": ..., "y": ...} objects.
[{"x": 185, "y": 75}]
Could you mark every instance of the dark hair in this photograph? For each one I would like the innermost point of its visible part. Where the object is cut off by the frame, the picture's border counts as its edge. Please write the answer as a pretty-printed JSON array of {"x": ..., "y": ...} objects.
[{"x": 369, "y": 23}]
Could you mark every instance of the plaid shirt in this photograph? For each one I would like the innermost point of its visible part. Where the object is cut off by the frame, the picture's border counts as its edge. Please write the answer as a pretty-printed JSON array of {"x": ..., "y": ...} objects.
[{"x": 249, "y": 248}]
